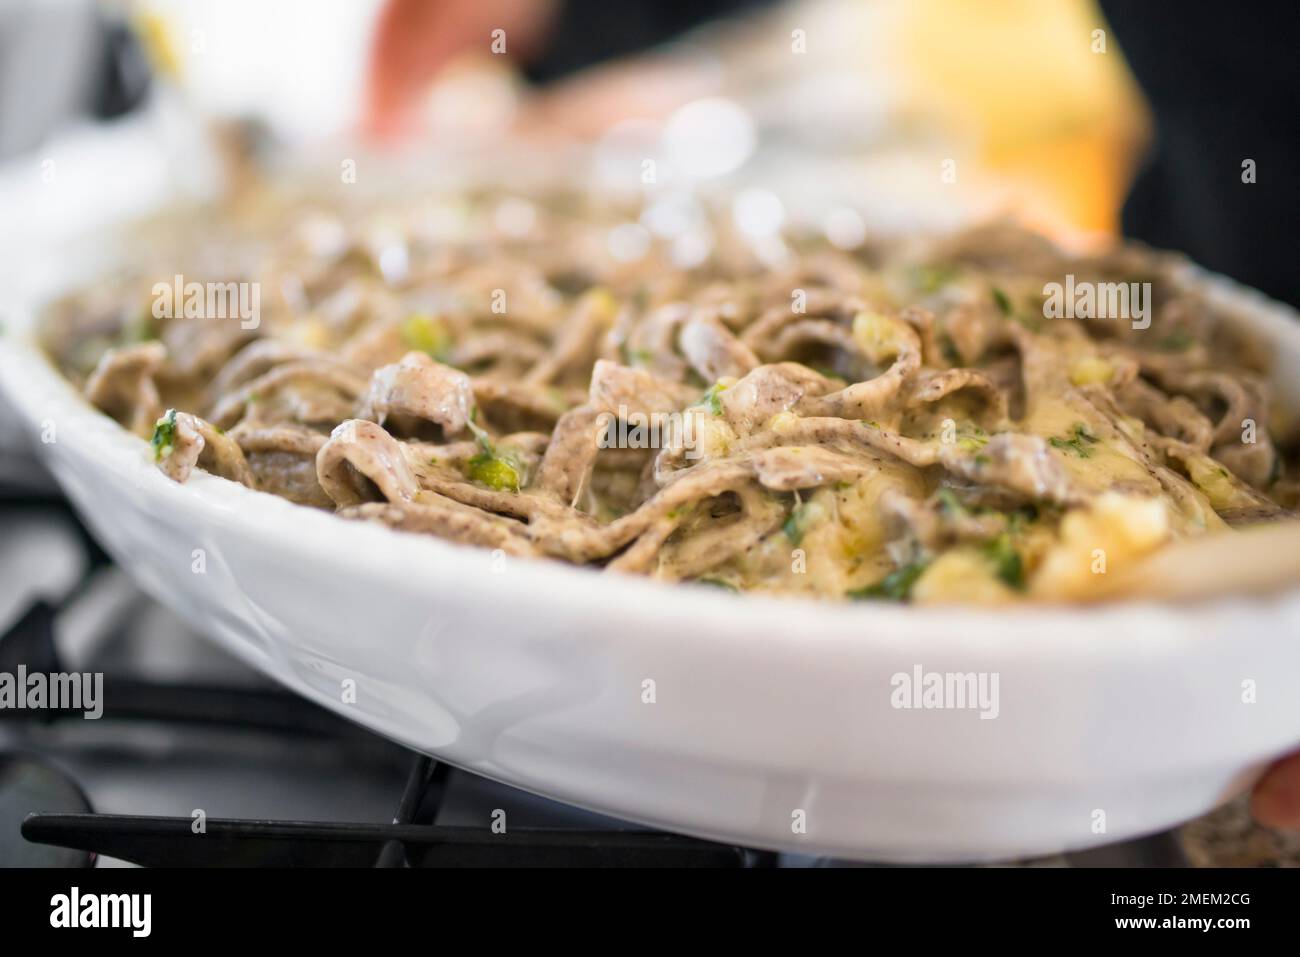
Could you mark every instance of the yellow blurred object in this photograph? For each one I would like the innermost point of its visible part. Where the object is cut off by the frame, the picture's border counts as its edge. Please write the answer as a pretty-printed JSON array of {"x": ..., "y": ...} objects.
[
  {"x": 1114, "y": 532},
  {"x": 961, "y": 575},
  {"x": 1091, "y": 370},
  {"x": 159, "y": 43},
  {"x": 1043, "y": 100}
]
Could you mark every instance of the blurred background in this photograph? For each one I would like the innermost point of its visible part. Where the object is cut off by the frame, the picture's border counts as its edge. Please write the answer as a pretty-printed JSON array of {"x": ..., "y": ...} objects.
[
  {"x": 1087, "y": 119},
  {"x": 928, "y": 112}
]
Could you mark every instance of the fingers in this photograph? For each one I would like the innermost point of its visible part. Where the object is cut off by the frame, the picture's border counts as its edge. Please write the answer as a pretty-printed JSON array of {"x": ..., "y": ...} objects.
[
  {"x": 1276, "y": 801},
  {"x": 407, "y": 51},
  {"x": 415, "y": 39}
]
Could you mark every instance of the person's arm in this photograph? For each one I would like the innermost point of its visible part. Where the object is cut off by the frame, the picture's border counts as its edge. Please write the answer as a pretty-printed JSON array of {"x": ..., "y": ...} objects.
[
  {"x": 414, "y": 39},
  {"x": 549, "y": 39}
]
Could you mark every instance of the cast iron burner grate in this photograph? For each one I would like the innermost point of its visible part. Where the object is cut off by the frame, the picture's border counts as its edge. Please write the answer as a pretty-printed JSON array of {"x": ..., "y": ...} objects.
[
  {"x": 169, "y": 842},
  {"x": 411, "y": 840}
]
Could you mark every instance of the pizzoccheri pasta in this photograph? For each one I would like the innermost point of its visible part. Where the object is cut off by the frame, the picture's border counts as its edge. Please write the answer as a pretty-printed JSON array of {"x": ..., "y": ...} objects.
[{"x": 977, "y": 417}]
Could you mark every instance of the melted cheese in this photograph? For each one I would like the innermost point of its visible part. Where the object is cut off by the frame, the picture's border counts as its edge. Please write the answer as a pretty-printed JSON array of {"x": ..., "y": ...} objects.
[
  {"x": 1114, "y": 531},
  {"x": 843, "y": 545},
  {"x": 962, "y": 574},
  {"x": 1106, "y": 463}
]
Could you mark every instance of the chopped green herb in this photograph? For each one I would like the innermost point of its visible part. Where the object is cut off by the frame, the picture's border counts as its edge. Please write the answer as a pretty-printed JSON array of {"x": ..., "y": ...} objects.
[
  {"x": 972, "y": 439},
  {"x": 634, "y": 357},
  {"x": 717, "y": 583},
  {"x": 164, "y": 434},
  {"x": 427, "y": 334},
  {"x": 480, "y": 433},
  {"x": 801, "y": 517},
  {"x": 1078, "y": 442},
  {"x": 1008, "y": 309},
  {"x": 1180, "y": 340},
  {"x": 1006, "y": 561},
  {"x": 950, "y": 505},
  {"x": 713, "y": 398},
  {"x": 931, "y": 277},
  {"x": 896, "y": 586},
  {"x": 496, "y": 471}
]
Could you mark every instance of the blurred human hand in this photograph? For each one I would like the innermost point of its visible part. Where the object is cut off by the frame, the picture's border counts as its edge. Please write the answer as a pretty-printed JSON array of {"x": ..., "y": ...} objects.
[
  {"x": 1276, "y": 801},
  {"x": 415, "y": 39}
]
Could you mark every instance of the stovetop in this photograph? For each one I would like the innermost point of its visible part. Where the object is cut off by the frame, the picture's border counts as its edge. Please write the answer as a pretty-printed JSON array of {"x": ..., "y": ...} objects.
[{"x": 198, "y": 760}]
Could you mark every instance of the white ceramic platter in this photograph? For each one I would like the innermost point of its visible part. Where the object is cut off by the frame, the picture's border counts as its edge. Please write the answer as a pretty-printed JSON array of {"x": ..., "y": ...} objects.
[{"x": 771, "y": 722}]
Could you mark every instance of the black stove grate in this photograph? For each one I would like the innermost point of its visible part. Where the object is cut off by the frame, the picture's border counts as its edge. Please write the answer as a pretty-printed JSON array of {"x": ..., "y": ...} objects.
[{"x": 411, "y": 840}]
